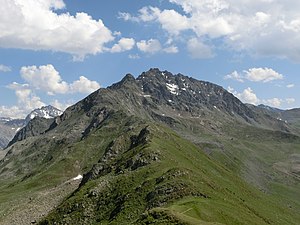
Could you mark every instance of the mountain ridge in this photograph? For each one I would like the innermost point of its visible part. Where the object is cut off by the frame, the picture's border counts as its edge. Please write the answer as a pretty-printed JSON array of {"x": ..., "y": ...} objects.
[{"x": 186, "y": 157}]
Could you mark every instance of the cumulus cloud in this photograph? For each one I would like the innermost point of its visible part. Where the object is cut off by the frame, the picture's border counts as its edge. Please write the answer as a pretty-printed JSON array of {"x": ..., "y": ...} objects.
[
  {"x": 84, "y": 85},
  {"x": 257, "y": 27},
  {"x": 234, "y": 76},
  {"x": 149, "y": 46},
  {"x": 46, "y": 78},
  {"x": 26, "y": 101},
  {"x": 274, "y": 102},
  {"x": 59, "y": 105},
  {"x": 128, "y": 17},
  {"x": 12, "y": 112},
  {"x": 249, "y": 96},
  {"x": 4, "y": 68},
  {"x": 278, "y": 102},
  {"x": 199, "y": 50},
  {"x": 35, "y": 25},
  {"x": 262, "y": 75},
  {"x": 153, "y": 46},
  {"x": 124, "y": 44},
  {"x": 43, "y": 79},
  {"x": 170, "y": 20},
  {"x": 256, "y": 75}
]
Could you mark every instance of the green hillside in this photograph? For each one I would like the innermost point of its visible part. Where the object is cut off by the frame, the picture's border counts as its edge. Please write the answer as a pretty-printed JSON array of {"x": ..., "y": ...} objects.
[{"x": 173, "y": 182}]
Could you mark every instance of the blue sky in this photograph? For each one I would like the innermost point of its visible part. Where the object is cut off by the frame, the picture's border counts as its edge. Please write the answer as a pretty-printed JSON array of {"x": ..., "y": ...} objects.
[{"x": 58, "y": 51}]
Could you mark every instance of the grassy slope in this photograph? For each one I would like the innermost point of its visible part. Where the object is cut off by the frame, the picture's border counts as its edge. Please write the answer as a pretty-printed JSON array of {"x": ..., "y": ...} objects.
[
  {"x": 61, "y": 162},
  {"x": 184, "y": 186}
]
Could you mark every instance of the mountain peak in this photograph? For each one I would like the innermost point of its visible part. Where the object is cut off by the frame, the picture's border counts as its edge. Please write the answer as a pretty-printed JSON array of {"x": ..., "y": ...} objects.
[
  {"x": 127, "y": 77},
  {"x": 45, "y": 112}
]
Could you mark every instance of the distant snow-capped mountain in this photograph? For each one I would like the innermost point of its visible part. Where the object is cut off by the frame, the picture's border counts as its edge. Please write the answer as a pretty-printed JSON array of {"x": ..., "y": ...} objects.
[
  {"x": 9, "y": 127},
  {"x": 47, "y": 112}
]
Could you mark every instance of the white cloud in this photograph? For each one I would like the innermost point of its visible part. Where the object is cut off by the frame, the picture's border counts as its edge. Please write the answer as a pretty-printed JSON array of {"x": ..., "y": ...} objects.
[
  {"x": 84, "y": 85},
  {"x": 277, "y": 102},
  {"x": 12, "y": 112},
  {"x": 124, "y": 44},
  {"x": 26, "y": 98},
  {"x": 199, "y": 50},
  {"x": 290, "y": 100},
  {"x": 150, "y": 46},
  {"x": 60, "y": 105},
  {"x": 171, "y": 49},
  {"x": 256, "y": 75},
  {"x": 153, "y": 46},
  {"x": 35, "y": 25},
  {"x": 256, "y": 27},
  {"x": 26, "y": 102},
  {"x": 290, "y": 85},
  {"x": 47, "y": 79},
  {"x": 248, "y": 96},
  {"x": 274, "y": 102},
  {"x": 262, "y": 75},
  {"x": 44, "y": 78},
  {"x": 4, "y": 68},
  {"x": 128, "y": 17},
  {"x": 170, "y": 20},
  {"x": 234, "y": 76}
]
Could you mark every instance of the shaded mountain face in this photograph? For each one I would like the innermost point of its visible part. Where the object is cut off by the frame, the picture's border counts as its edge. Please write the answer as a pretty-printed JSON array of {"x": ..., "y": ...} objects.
[
  {"x": 8, "y": 128},
  {"x": 159, "y": 148}
]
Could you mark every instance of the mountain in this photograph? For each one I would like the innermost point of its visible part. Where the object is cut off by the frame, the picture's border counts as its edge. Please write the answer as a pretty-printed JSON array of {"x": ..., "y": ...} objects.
[
  {"x": 156, "y": 149},
  {"x": 9, "y": 127},
  {"x": 46, "y": 112},
  {"x": 291, "y": 116}
]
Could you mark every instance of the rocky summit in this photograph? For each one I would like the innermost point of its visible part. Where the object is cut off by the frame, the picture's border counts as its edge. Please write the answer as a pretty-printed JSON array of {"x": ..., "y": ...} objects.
[{"x": 156, "y": 149}]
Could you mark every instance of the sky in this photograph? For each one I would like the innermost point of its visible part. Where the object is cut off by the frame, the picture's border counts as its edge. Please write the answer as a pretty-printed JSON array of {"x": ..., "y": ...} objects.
[{"x": 59, "y": 51}]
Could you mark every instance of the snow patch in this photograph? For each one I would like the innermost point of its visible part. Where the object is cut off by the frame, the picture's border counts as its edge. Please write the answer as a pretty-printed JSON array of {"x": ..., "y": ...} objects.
[
  {"x": 79, "y": 177},
  {"x": 173, "y": 88},
  {"x": 147, "y": 96}
]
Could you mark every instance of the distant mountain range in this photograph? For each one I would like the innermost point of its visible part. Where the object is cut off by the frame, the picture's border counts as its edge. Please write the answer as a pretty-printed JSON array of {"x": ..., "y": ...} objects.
[
  {"x": 156, "y": 149},
  {"x": 9, "y": 127}
]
